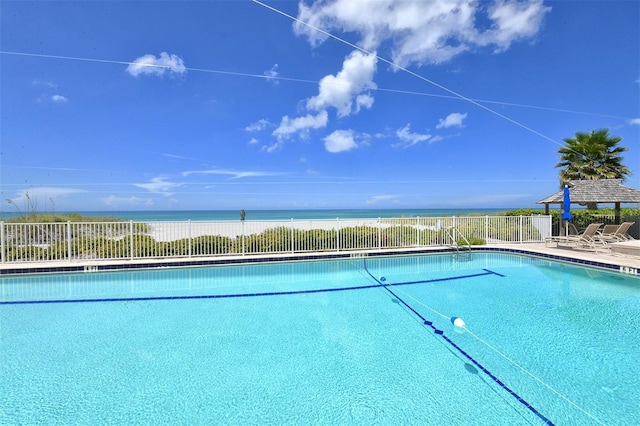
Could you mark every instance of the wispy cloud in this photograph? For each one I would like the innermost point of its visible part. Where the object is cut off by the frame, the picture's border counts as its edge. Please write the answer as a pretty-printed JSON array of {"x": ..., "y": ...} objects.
[
  {"x": 381, "y": 199},
  {"x": 258, "y": 125},
  {"x": 46, "y": 84},
  {"x": 113, "y": 201},
  {"x": 51, "y": 99},
  {"x": 272, "y": 74},
  {"x": 42, "y": 194},
  {"x": 635, "y": 121},
  {"x": 409, "y": 138},
  {"x": 454, "y": 119},
  {"x": 159, "y": 185},
  {"x": 164, "y": 64},
  {"x": 300, "y": 125},
  {"x": 234, "y": 174},
  {"x": 176, "y": 156}
]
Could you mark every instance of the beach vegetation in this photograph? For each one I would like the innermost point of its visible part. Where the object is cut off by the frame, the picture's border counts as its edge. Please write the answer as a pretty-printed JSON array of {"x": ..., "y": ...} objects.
[
  {"x": 473, "y": 241},
  {"x": 124, "y": 240}
]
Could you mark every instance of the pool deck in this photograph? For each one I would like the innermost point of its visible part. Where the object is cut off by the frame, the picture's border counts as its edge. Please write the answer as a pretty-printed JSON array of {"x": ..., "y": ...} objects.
[
  {"x": 624, "y": 257},
  {"x": 621, "y": 255}
]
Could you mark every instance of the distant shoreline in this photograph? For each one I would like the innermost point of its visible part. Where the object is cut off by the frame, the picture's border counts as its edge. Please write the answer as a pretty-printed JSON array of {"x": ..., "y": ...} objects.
[{"x": 225, "y": 215}]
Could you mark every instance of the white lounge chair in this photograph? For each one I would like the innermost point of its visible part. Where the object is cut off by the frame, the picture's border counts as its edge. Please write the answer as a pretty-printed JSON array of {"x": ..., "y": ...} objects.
[
  {"x": 588, "y": 239},
  {"x": 615, "y": 233}
]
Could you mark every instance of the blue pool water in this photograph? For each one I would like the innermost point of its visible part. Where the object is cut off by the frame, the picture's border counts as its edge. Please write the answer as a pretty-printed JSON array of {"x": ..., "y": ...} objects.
[{"x": 332, "y": 342}]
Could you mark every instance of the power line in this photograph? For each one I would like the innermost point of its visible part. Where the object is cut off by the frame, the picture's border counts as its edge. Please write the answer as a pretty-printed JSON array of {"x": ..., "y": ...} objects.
[
  {"x": 414, "y": 74},
  {"x": 315, "y": 82}
]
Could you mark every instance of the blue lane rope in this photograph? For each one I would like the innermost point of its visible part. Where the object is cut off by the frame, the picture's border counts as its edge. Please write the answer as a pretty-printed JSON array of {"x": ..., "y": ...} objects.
[
  {"x": 459, "y": 349},
  {"x": 240, "y": 295}
]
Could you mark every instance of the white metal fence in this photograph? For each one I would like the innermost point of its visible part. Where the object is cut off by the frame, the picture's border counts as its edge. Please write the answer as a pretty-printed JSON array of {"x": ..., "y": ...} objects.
[{"x": 34, "y": 242}]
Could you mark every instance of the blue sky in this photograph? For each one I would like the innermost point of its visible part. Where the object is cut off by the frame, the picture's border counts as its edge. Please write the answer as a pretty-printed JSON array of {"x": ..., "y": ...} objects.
[{"x": 224, "y": 105}]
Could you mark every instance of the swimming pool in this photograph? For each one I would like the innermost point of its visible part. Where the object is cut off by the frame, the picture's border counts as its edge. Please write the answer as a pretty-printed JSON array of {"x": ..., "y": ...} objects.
[{"x": 360, "y": 341}]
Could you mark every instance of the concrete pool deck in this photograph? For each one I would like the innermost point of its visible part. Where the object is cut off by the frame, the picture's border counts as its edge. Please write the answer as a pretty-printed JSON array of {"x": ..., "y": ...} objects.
[{"x": 613, "y": 259}]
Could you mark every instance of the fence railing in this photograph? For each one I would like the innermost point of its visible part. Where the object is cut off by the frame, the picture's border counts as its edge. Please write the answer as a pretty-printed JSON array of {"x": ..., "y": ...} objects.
[{"x": 74, "y": 241}]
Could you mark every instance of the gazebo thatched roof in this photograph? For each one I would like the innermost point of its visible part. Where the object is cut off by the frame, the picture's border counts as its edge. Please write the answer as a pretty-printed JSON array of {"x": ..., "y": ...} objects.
[{"x": 596, "y": 191}]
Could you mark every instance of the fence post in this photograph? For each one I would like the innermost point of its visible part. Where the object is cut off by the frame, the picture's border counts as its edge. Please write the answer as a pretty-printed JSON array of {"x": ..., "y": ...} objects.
[
  {"x": 69, "y": 245},
  {"x": 292, "y": 238},
  {"x": 243, "y": 237},
  {"x": 131, "y": 238},
  {"x": 486, "y": 229},
  {"x": 337, "y": 234},
  {"x": 2, "y": 256},
  {"x": 189, "y": 248},
  {"x": 520, "y": 229}
]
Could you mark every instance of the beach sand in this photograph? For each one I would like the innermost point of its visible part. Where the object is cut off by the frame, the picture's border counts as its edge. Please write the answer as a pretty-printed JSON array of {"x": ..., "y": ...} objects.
[{"x": 171, "y": 231}]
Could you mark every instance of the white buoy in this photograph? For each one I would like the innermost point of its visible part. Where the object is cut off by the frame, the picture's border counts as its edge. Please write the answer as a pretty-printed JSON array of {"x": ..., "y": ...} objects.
[{"x": 458, "y": 322}]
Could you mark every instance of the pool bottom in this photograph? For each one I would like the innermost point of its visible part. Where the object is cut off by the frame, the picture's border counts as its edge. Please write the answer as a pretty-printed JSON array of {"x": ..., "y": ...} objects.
[{"x": 331, "y": 359}]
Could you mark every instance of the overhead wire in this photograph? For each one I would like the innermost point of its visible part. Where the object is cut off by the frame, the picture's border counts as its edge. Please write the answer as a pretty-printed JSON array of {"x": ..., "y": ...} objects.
[
  {"x": 315, "y": 82},
  {"x": 452, "y": 94},
  {"x": 412, "y": 73}
]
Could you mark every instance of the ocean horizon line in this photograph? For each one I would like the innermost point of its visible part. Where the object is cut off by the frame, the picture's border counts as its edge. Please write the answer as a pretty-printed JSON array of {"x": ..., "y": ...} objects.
[{"x": 275, "y": 214}]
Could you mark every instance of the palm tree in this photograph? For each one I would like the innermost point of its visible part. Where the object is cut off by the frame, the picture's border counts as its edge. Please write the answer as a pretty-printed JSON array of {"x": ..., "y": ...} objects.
[{"x": 592, "y": 156}]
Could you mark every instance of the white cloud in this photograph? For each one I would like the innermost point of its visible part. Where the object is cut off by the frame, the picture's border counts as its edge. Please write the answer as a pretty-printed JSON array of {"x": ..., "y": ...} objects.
[
  {"x": 149, "y": 64},
  {"x": 258, "y": 125},
  {"x": 364, "y": 101},
  {"x": 409, "y": 138},
  {"x": 454, "y": 119},
  {"x": 235, "y": 174},
  {"x": 272, "y": 74},
  {"x": 276, "y": 146},
  {"x": 301, "y": 125},
  {"x": 340, "y": 141},
  {"x": 381, "y": 198},
  {"x": 252, "y": 141},
  {"x": 338, "y": 90},
  {"x": 114, "y": 201},
  {"x": 635, "y": 121},
  {"x": 512, "y": 21},
  {"x": 51, "y": 99},
  {"x": 159, "y": 185},
  {"x": 31, "y": 197},
  {"x": 58, "y": 99},
  {"x": 421, "y": 31}
]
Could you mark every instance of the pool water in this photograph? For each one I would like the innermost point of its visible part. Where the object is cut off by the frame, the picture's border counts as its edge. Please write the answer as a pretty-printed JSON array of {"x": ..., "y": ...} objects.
[{"x": 326, "y": 342}]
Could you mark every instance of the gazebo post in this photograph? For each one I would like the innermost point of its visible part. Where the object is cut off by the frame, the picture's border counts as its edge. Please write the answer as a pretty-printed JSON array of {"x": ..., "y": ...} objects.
[{"x": 617, "y": 213}]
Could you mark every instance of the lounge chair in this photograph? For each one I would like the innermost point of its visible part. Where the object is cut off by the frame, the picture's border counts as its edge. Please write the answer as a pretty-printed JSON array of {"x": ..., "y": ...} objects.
[
  {"x": 588, "y": 239},
  {"x": 615, "y": 233}
]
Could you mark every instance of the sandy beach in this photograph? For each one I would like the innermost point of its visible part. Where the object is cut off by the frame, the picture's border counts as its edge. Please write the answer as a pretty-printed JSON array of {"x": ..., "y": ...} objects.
[{"x": 171, "y": 231}]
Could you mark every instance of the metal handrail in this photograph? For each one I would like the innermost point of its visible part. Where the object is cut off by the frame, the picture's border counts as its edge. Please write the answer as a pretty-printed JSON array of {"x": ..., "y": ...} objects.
[{"x": 452, "y": 235}]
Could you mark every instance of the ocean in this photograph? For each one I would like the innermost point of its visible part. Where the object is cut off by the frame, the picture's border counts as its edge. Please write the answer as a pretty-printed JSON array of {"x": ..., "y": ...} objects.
[{"x": 218, "y": 215}]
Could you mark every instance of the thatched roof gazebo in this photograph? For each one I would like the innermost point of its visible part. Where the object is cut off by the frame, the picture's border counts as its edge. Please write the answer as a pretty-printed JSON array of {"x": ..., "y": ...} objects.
[{"x": 607, "y": 191}]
